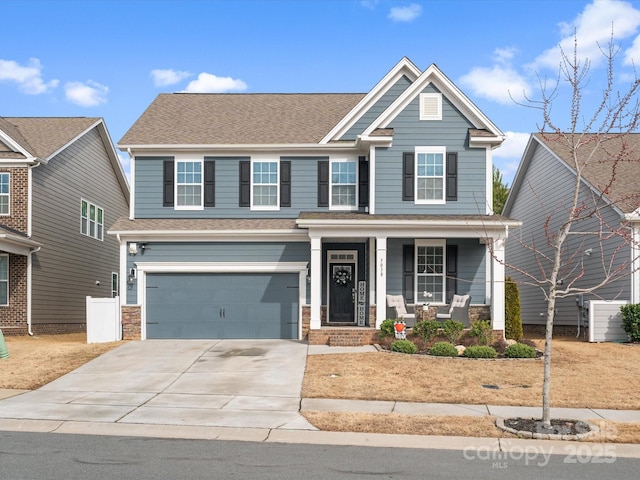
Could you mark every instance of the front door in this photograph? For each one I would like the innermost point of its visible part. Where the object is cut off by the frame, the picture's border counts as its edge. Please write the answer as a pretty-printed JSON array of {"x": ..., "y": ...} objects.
[{"x": 342, "y": 281}]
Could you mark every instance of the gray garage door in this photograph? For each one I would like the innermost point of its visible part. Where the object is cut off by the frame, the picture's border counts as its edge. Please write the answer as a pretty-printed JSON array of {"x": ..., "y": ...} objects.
[{"x": 206, "y": 305}]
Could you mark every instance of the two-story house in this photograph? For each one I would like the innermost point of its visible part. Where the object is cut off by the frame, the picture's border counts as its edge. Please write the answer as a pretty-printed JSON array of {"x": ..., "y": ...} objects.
[
  {"x": 294, "y": 215},
  {"x": 61, "y": 187}
]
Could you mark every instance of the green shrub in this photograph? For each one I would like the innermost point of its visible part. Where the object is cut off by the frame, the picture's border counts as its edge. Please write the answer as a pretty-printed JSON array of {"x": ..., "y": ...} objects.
[
  {"x": 631, "y": 321},
  {"x": 427, "y": 330},
  {"x": 453, "y": 330},
  {"x": 480, "y": 351},
  {"x": 443, "y": 349},
  {"x": 520, "y": 350},
  {"x": 404, "y": 346},
  {"x": 386, "y": 328},
  {"x": 483, "y": 331},
  {"x": 512, "y": 318}
]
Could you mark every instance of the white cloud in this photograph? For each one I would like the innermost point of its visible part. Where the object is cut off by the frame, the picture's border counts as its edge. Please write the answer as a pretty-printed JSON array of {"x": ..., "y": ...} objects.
[
  {"x": 500, "y": 83},
  {"x": 405, "y": 14},
  {"x": 28, "y": 78},
  {"x": 370, "y": 4},
  {"x": 162, "y": 78},
  {"x": 208, "y": 83},
  {"x": 592, "y": 27},
  {"x": 87, "y": 94},
  {"x": 632, "y": 55}
]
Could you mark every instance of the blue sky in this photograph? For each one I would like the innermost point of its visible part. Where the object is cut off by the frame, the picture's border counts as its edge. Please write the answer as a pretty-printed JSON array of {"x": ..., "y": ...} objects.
[{"x": 111, "y": 58}]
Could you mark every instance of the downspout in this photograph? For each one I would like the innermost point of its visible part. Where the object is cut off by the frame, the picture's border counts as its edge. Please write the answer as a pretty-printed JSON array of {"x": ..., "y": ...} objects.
[{"x": 31, "y": 252}]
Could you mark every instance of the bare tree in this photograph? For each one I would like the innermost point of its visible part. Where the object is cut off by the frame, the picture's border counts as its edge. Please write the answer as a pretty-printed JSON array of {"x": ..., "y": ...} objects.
[{"x": 599, "y": 140}]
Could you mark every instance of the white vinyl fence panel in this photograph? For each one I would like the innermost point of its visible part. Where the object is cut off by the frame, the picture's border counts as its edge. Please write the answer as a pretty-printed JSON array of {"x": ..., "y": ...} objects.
[{"x": 103, "y": 320}]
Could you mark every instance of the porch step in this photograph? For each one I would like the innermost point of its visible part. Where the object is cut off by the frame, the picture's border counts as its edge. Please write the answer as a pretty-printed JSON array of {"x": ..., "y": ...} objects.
[{"x": 342, "y": 337}]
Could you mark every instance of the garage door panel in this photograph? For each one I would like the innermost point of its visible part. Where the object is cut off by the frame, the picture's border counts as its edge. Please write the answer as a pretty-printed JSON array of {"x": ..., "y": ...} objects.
[{"x": 200, "y": 305}]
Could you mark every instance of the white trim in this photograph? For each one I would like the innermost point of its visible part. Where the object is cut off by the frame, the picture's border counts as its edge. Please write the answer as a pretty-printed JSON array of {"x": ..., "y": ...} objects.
[
  {"x": 260, "y": 159},
  {"x": 403, "y": 68},
  {"x": 123, "y": 270},
  {"x": 15, "y": 146},
  {"x": 635, "y": 264},
  {"x": 431, "y": 242},
  {"x": 217, "y": 267},
  {"x": 132, "y": 190},
  {"x": 424, "y": 98},
  {"x": 489, "y": 181},
  {"x": 176, "y": 184},
  {"x": 6, "y": 255},
  {"x": 381, "y": 280},
  {"x": 8, "y": 195},
  {"x": 344, "y": 208},
  {"x": 372, "y": 180},
  {"x": 316, "y": 283},
  {"x": 421, "y": 150}
]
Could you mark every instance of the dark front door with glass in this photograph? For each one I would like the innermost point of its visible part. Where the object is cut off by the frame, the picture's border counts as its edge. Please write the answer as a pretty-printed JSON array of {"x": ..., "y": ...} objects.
[{"x": 342, "y": 293}]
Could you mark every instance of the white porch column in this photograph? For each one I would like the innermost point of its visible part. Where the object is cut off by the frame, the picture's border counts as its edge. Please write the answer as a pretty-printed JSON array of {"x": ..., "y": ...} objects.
[
  {"x": 635, "y": 263},
  {"x": 381, "y": 280},
  {"x": 497, "y": 284},
  {"x": 316, "y": 282}
]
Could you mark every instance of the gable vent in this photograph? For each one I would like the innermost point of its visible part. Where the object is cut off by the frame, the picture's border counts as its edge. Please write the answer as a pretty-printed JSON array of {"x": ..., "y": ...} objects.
[{"x": 430, "y": 106}]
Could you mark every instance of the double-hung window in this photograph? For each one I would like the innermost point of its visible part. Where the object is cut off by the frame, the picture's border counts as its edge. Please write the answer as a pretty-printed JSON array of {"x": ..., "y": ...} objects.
[
  {"x": 5, "y": 193},
  {"x": 430, "y": 175},
  {"x": 430, "y": 269},
  {"x": 91, "y": 220},
  {"x": 4, "y": 279},
  {"x": 189, "y": 185},
  {"x": 343, "y": 185},
  {"x": 264, "y": 185}
]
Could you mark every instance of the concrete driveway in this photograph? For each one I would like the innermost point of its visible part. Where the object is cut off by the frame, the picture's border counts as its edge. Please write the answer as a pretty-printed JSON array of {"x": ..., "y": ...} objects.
[{"x": 212, "y": 383}]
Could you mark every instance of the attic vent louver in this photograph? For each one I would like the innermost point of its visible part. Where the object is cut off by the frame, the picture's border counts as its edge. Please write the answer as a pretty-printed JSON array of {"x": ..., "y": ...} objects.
[{"x": 430, "y": 106}]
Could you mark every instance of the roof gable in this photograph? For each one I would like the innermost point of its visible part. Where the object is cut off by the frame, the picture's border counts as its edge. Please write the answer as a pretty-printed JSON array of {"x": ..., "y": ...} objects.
[
  {"x": 611, "y": 167},
  {"x": 434, "y": 76}
]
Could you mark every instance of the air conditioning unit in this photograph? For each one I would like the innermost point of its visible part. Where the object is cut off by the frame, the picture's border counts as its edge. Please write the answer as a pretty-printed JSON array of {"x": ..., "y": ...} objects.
[{"x": 605, "y": 321}]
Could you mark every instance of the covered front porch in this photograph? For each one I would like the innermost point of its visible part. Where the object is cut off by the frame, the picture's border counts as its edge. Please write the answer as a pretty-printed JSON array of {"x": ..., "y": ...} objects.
[{"x": 357, "y": 259}]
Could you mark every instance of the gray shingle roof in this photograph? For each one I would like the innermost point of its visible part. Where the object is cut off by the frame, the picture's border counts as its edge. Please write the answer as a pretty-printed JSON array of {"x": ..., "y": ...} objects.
[
  {"x": 42, "y": 136},
  {"x": 614, "y": 170},
  {"x": 234, "y": 119}
]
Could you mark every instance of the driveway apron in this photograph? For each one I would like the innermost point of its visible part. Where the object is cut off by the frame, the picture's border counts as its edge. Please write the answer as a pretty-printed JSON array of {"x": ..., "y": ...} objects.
[{"x": 221, "y": 383}]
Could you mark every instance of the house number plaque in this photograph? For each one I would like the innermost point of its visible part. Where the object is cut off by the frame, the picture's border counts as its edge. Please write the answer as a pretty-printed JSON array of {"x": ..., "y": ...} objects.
[{"x": 362, "y": 303}]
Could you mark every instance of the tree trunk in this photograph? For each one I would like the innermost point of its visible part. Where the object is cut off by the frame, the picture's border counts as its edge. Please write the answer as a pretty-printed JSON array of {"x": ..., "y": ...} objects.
[{"x": 546, "y": 385}]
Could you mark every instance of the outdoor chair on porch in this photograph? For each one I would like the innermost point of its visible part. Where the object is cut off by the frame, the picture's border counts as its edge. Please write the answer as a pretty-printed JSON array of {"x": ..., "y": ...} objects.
[
  {"x": 397, "y": 309},
  {"x": 457, "y": 310}
]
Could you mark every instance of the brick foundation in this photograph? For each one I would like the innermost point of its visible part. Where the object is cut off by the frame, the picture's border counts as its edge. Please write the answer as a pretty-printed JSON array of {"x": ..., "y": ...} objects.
[
  {"x": 342, "y": 336},
  {"x": 131, "y": 322},
  {"x": 559, "y": 330}
]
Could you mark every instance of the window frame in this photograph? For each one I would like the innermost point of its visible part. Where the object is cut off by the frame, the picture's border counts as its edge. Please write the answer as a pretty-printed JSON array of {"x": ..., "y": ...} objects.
[
  {"x": 423, "y": 99},
  {"x": 438, "y": 243},
  {"x": 425, "y": 151},
  {"x": 115, "y": 282},
  {"x": 99, "y": 226},
  {"x": 7, "y": 195},
  {"x": 4, "y": 282},
  {"x": 347, "y": 208},
  {"x": 253, "y": 184},
  {"x": 177, "y": 184}
]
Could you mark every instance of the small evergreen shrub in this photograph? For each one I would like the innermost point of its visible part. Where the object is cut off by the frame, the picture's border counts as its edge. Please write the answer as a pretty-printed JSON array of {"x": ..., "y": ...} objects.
[
  {"x": 443, "y": 349},
  {"x": 512, "y": 318},
  {"x": 404, "y": 346},
  {"x": 483, "y": 331},
  {"x": 386, "y": 328},
  {"x": 427, "y": 330},
  {"x": 520, "y": 350},
  {"x": 631, "y": 321},
  {"x": 453, "y": 330},
  {"x": 480, "y": 351}
]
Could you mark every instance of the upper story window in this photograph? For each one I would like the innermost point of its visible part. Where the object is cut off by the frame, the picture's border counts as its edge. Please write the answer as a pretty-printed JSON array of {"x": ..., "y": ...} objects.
[
  {"x": 430, "y": 175},
  {"x": 343, "y": 185},
  {"x": 92, "y": 220},
  {"x": 430, "y": 106},
  {"x": 5, "y": 193},
  {"x": 430, "y": 269},
  {"x": 188, "y": 185},
  {"x": 4, "y": 279},
  {"x": 264, "y": 185}
]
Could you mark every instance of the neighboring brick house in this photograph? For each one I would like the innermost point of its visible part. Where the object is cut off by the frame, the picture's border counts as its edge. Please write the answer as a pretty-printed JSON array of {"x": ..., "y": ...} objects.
[
  {"x": 294, "y": 215},
  {"x": 61, "y": 187}
]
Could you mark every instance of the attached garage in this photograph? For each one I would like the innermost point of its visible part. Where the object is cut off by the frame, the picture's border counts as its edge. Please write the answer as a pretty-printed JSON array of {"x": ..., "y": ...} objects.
[{"x": 222, "y": 305}]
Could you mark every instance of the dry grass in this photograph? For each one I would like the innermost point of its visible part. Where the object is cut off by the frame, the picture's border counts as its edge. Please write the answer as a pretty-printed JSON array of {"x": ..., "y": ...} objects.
[
  {"x": 584, "y": 375},
  {"x": 38, "y": 360}
]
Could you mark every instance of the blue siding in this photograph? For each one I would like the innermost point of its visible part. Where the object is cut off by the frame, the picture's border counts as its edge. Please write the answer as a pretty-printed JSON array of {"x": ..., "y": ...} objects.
[
  {"x": 217, "y": 252},
  {"x": 376, "y": 110},
  {"x": 450, "y": 132},
  {"x": 471, "y": 267},
  {"x": 148, "y": 190}
]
